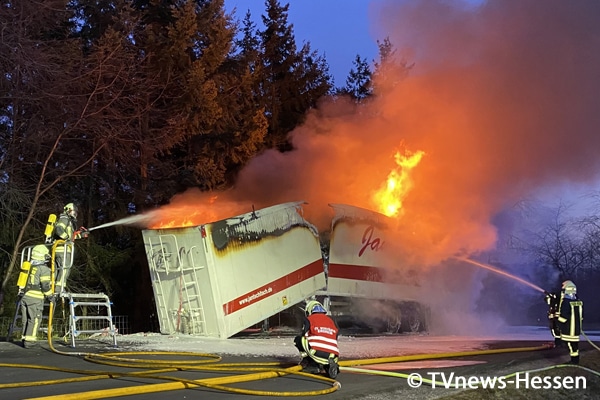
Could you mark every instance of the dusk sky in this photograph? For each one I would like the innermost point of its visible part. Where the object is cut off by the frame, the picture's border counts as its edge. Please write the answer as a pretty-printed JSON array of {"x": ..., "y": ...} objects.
[{"x": 339, "y": 29}]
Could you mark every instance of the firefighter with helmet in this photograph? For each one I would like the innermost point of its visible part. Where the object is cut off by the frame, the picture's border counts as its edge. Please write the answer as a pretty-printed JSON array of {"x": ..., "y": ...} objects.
[
  {"x": 569, "y": 317},
  {"x": 66, "y": 229},
  {"x": 317, "y": 343},
  {"x": 37, "y": 287}
]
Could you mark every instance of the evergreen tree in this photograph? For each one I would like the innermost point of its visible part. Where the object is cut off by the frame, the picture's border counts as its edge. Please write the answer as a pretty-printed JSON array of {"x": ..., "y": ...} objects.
[
  {"x": 293, "y": 80},
  {"x": 390, "y": 70},
  {"x": 358, "y": 83}
]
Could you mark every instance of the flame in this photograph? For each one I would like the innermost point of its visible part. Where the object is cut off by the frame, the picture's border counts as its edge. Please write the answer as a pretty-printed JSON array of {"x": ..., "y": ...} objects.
[
  {"x": 193, "y": 211},
  {"x": 174, "y": 223},
  {"x": 389, "y": 198}
]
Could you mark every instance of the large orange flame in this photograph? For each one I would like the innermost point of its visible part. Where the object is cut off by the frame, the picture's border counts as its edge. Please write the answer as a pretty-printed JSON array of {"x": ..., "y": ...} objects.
[
  {"x": 184, "y": 213},
  {"x": 390, "y": 197}
]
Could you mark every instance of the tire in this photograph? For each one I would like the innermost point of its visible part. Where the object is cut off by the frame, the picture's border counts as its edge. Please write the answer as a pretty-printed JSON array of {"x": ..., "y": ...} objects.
[{"x": 393, "y": 324}]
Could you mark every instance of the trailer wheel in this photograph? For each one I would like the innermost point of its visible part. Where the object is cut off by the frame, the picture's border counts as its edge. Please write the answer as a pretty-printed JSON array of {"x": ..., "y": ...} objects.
[
  {"x": 393, "y": 323},
  {"x": 413, "y": 322}
]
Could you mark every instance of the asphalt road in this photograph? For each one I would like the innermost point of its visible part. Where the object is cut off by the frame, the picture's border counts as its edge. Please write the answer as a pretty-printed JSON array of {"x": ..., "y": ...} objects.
[{"x": 22, "y": 365}]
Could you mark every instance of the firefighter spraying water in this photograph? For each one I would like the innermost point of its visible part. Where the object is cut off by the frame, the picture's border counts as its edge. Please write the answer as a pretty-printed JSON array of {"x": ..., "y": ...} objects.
[{"x": 56, "y": 255}]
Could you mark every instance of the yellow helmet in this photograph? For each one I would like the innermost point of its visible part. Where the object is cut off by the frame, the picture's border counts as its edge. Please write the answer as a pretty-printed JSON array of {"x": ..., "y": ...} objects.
[
  {"x": 569, "y": 287},
  {"x": 314, "y": 306},
  {"x": 40, "y": 253},
  {"x": 71, "y": 209}
]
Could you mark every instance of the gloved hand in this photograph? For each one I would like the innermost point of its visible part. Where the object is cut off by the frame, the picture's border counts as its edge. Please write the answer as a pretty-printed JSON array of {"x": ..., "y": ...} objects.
[
  {"x": 84, "y": 232},
  {"x": 21, "y": 293},
  {"x": 51, "y": 298}
]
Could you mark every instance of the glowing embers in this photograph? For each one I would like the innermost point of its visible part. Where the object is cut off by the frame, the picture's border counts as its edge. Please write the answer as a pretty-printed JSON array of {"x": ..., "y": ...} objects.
[{"x": 390, "y": 197}]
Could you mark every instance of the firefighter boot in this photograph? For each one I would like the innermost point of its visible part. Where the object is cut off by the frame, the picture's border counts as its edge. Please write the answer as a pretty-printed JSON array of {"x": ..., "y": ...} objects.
[
  {"x": 310, "y": 366},
  {"x": 333, "y": 368},
  {"x": 574, "y": 360},
  {"x": 29, "y": 344}
]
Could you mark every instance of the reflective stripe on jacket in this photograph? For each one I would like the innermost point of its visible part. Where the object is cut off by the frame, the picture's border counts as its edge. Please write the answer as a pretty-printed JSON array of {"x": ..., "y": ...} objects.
[
  {"x": 571, "y": 314},
  {"x": 323, "y": 334},
  {"x": 39, "y": 283},
  {"x": 64, "y": 229}
]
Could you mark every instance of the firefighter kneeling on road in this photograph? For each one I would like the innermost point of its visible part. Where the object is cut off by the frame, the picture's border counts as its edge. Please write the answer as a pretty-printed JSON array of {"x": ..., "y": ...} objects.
[
  {"x": 318, "y": 342},
  {"x": 37, "y": 288}
]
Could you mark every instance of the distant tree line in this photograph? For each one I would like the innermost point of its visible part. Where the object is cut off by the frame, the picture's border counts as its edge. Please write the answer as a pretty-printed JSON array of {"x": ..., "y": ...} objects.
[{"x": 118, "y": 105}]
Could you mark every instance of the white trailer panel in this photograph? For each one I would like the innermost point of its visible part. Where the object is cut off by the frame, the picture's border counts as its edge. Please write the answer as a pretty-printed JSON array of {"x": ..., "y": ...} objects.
[
  {"x": 362, "y": 261},
  {"x": 220, "y": 278}
]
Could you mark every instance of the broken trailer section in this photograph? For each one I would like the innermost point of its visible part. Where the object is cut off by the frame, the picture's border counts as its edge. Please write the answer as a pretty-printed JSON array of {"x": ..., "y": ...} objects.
[
  {"x": 368, "y": 287},
  {"x": 221, "y": 278}
]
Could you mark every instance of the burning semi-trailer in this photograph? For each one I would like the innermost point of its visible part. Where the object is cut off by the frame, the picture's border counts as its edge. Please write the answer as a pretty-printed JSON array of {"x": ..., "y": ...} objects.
[{"x": 220, "y": 278}]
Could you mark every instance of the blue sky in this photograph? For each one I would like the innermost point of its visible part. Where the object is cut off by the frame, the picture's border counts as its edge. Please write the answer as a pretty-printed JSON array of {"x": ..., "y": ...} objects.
[{"x": 339, "y": 29}]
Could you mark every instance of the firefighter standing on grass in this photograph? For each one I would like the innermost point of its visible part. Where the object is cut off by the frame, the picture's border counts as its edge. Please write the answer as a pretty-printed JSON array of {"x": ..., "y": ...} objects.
[
  {"x": 37, "y": 288},
  {"x": 570, "y": 317},
  {"x": 318, "y": 341},
  {"x": 65, "y": 229}
]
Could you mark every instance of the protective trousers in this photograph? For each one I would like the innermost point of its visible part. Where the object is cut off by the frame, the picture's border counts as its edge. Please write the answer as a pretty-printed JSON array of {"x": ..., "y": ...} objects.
[{"x": 31, "y": 314}]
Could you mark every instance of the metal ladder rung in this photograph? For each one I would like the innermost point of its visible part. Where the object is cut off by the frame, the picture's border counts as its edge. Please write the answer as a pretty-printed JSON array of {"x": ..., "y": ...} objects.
[
  {"x": 89, "y": 303},
  {"x": 78, "y": 332},
  {"x": 90, "y": 317}
]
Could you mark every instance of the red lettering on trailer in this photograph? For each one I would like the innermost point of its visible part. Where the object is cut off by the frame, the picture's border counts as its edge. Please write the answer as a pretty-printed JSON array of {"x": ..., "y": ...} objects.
[
  {"x": 368, "y": 242},
  {"x": 271, "y": 288},
  {"x": 355, "y": 272}
]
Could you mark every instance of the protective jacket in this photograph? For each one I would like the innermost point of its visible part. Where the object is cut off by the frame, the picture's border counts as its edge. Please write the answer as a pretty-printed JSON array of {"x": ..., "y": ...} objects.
[
  {"x": 39, "y": 281},
  {"x": 64, "y": 229},
  {"x": 570, "y": 316},
  {"x": 322, "y": 333}
]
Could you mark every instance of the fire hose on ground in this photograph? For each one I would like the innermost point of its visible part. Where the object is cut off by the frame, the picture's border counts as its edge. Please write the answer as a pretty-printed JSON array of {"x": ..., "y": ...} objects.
[{"x": 210, "y": 362}]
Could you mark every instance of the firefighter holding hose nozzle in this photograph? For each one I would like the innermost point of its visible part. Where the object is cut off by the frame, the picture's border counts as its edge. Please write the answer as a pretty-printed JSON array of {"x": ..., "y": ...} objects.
[
  {"x": 570, "y": 316},
  {"x": 65, "y": 229}
]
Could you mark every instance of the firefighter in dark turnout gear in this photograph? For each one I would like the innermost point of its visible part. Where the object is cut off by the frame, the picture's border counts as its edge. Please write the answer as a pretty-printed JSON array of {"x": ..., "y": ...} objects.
[
  {"x": 569, "y": 318},
  {"x": 318, "y": 341},
  {"x": 66, "y": 229},
  {"x": 37, "y": 288},
  {"x": 553, "y": 301}
]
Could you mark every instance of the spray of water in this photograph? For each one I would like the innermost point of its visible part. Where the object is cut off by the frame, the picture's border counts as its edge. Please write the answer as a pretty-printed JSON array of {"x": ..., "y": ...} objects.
[
  {"x": 134, "y": 219},
  {"x": 504, "y": 273}
]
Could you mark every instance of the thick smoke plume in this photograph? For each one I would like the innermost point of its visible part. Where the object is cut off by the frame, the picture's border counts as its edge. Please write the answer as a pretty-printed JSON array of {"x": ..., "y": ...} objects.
[{"x": 502, "y": 97}]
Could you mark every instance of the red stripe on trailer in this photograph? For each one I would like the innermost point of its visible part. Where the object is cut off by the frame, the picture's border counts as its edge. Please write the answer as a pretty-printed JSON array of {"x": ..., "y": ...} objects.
[
  {"x": 355, "y": 272},
  {"x": 274, "y": 287}
]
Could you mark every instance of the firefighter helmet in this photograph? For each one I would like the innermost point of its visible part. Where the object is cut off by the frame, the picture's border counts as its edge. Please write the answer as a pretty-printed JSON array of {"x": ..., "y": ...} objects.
[
  {"x": 40, "y": 253},
  {"x": 569, "y": 287},
  {"x": 314, "y": 306},
  {"x": 71, "y": 210}
]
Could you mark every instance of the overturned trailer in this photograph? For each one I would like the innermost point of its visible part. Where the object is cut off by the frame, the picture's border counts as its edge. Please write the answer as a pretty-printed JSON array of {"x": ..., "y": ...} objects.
[{"x": 220, "y": 278}]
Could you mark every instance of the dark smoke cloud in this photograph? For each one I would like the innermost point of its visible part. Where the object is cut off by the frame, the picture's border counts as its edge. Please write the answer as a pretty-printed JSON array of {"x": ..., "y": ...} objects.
[{"x": 503, "y": 97}]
